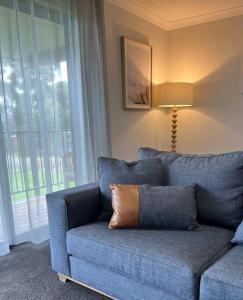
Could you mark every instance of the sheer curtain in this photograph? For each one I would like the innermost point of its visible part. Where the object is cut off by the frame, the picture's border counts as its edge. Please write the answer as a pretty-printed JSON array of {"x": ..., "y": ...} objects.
[{"x": 53, "y": 119}]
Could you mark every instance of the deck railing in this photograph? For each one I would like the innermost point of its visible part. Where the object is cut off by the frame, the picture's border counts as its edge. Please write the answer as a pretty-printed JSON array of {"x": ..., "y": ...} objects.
[{"x": 38, "y": 162}]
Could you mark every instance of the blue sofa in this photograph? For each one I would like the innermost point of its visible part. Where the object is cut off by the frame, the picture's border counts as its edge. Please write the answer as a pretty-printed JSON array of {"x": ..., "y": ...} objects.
[{"x": 138, "y": 263}]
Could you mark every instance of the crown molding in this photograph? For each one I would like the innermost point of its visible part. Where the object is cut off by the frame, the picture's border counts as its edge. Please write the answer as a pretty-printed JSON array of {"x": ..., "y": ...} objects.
[
  {"x": 149, "y": 16},
  {"x": 141, "y": 12},
  {"x": 205, "y": 18}
]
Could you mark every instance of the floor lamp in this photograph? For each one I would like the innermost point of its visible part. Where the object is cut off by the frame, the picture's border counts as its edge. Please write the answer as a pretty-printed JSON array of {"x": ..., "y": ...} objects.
[{"x": 174, "y": 95}]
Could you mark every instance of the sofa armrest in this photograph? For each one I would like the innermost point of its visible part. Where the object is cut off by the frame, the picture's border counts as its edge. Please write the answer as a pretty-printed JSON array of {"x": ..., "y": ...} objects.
[{"x": 67, "y": 209}]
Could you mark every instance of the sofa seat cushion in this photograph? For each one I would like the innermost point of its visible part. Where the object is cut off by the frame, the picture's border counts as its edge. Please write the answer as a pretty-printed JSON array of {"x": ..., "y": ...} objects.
[
  {"x": 172, "y": 260},
  {"x": 224, "y": 280}
]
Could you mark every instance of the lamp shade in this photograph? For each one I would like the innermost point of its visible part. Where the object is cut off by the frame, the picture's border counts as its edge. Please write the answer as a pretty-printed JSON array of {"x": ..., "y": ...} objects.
[{"x": 176, "y": 94}]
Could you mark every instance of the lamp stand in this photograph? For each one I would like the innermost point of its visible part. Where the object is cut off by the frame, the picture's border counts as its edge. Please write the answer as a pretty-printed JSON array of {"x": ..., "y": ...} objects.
[{"x": 174, "y": 129}]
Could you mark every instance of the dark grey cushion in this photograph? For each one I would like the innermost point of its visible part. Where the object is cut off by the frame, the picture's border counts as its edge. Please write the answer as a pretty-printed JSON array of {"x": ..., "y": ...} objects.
[
  {"x": 171, "y": 260},
  {"x": 167, "y": 207},
  {"x": 166, "y": 158},
  {"x": 238, "y": 238},
  {"x": 219, "y": 180},
  {"x": 148, "y": 171},
  {"x": 224, "y": 280}
]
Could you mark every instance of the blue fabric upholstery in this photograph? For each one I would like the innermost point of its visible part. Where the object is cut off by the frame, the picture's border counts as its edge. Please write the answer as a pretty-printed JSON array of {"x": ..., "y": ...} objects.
[
  {"x": 238, "y": 238},
  {"x": 171, "y": 207},
  {"x": 166, "y": 157},
  {"x": 148, "y": 171},
  {"x": 166, "y": 259},
  {"x": 224, "y": 280},
  {"x": 219, "y": 180},
  {"x": 115, "y": 284},
  {"x": 67, "y": 209}
]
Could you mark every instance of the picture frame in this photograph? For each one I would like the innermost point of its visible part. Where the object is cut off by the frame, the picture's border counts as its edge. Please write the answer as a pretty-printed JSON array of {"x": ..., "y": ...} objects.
[{"x": 136, "y": 74}]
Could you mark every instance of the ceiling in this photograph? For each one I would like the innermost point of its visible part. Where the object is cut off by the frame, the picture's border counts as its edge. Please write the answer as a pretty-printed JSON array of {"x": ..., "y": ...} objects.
[{"x": 172, "y": 14}]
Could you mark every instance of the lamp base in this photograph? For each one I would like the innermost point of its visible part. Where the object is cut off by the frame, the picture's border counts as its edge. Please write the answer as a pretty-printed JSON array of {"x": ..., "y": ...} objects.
[{"x": 174, "y": 129}]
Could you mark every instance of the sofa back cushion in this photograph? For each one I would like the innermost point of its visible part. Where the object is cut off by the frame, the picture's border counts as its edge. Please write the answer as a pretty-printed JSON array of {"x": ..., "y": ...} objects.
[
  {"x": 219, "y": 180},
  {"x": 147, "y": 171}
]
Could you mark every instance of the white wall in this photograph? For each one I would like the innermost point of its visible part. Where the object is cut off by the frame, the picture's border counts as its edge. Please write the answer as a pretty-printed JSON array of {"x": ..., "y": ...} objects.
[
  {"x": 210, "y": 55},
  {"x": 132, "y": 129}
]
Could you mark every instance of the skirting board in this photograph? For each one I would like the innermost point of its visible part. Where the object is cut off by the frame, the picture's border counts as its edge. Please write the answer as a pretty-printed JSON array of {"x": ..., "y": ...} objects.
[{"x": 64, "y": 278}]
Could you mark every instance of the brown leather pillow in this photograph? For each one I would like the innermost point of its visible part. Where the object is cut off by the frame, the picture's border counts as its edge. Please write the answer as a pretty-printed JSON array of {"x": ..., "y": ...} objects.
[
  {"x": 146, "y": 206},
  {"x": 125, "y": 203}
]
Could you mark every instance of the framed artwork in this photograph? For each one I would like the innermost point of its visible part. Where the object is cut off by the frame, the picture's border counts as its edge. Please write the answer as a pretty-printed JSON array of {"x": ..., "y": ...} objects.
[{"x": 136, "y": 74}]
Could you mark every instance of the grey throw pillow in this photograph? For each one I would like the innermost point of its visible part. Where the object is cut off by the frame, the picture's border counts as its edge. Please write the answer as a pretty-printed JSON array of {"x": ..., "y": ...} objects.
[
  {"x": 148, "y": 171},
  {"x": 172, "y": 207},
  {"x": 238, "y": 238},
  {"x": 219, "y": 180}
]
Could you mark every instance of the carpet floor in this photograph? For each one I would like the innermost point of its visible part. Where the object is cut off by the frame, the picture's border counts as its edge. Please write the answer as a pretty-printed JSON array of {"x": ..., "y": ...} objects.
[{"x": 25, "y": 274}]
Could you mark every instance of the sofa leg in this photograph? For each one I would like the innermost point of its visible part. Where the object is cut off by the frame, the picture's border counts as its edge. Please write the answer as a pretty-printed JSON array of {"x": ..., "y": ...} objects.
[{"x": 62, "y": 278}]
